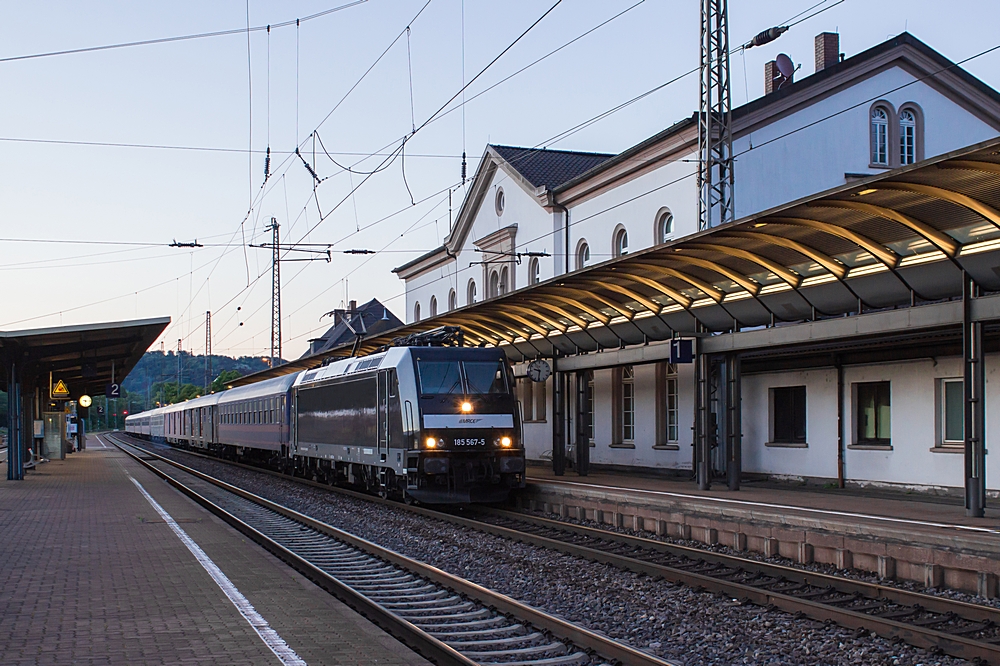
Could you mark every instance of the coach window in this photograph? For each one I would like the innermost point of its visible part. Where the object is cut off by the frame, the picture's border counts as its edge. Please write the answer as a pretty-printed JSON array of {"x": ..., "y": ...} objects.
[
  {"x": 872, "y": 414},
  {"x": 788, "y": 415},
  {"x": 952, "y": 413}
]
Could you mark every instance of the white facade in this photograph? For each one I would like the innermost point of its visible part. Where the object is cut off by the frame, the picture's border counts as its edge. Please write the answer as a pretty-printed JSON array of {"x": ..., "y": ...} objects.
[{"x": 813, "y": 136}]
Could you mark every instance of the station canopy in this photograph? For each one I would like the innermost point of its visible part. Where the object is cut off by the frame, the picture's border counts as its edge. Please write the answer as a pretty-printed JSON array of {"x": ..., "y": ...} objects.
[
  {"x": 82, "y": 356},
  {"x": 897, "y": 239}
]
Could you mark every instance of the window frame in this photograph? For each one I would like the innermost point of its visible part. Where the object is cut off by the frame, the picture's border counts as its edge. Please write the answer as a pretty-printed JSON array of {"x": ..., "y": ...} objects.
[
  {"x": 667, "y": 407},
  {"x": 792, "y": 441},
  {"x": 859, "y": 440},
  {"x": 619, "y": 241},
  {"x": 470, "y": 292},
  {"x": 942, "y": 440},
  {"x": 877, "y": 127},
  {"x": 452, "y": 300},
  {"x": 534, "y": 271},
  {"x": 416, "y": 312},
  {"x": 582, "y": 248},
  {"x": 433, "y": 307},
  {"x": 661, "y": 235}
]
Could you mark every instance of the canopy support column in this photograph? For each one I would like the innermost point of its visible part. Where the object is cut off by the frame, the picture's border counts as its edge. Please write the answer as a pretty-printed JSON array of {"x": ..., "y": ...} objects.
[
  {"x": 975, "y": 405},
  {"x": 583, "y": 417},
  {"x": 702, "y": 442},
  {"x": 15, "y": 425},
  {"x": 559, "y": 381},
  {"x": 734, "y": 421}
]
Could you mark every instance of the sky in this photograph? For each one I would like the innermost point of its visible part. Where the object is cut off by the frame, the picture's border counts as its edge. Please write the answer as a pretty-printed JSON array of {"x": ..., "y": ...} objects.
[{"x": 85, "y": 230}]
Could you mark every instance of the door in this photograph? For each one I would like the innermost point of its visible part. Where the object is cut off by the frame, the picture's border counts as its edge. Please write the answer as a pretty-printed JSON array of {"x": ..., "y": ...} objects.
[{"x": 383, "y": 415}]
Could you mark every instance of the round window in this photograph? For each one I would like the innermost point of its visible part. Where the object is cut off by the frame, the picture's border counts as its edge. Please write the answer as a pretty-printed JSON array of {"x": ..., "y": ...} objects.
[{"x": 500, "y": 201}]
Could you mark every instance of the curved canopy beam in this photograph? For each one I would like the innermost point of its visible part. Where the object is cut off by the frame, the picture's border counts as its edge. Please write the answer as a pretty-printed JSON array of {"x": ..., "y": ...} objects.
[
  {"x": 673, "y": 294},
  {"x": 557, "y": 325},
  {"x": 791, "y": 277},
  {"x": 582, "y": 323},
  {"x": 547, "y": 296},
  {"x": 537, "y": 328},
  {"x": 617, "y": 307},
  {"x": 880, "y": 252},
  {"x": 644, "y": 301},
  {"x": 971, "y": 165},
  {"x": 942, "y": 241},
  {"x": 496, "y": 329},
  {"x": 988, "y": 212},
  {"x": 829, "y": 263},
  {"x": 710, "y": 291},
  {"x": 747, "y": 283}
]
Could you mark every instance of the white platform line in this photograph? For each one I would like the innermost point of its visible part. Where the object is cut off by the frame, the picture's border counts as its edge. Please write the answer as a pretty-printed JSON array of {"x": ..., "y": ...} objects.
[
  {"x": 828, "y": 512},
  {"x": 270, "y": 637}
]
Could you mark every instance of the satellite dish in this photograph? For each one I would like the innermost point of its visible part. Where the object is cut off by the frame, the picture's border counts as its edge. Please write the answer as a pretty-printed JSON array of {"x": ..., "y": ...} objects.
[{"x": 785, "y": 65}]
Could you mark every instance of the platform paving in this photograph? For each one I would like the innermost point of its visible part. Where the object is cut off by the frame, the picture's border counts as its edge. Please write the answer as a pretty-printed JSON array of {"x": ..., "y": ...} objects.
[
  {"x": 919, "y": 538},
  {"x": 91, "y": 574}
]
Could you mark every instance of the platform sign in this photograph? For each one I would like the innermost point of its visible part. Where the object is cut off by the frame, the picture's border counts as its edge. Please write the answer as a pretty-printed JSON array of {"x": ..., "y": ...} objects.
[
  {"x": 681, "y": 351},
  {"x": 59, "y": 391},
  {"x": 112, "y": 390}
]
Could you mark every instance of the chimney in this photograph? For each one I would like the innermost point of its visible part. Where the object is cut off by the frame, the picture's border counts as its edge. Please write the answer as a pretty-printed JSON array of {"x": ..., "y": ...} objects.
[
  {"x": 772, "y": 77},
  {"x": 352, "y": 306},
  {"x": 827, "y": 47}
]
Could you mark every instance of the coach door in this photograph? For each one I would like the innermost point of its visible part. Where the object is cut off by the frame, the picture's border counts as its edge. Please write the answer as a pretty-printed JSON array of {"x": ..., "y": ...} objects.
[{"x": 383, "y": 415}]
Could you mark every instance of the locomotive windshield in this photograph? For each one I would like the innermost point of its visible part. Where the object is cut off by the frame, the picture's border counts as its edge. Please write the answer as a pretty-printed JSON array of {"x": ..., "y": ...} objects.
[{"x": 461, "y": 377}]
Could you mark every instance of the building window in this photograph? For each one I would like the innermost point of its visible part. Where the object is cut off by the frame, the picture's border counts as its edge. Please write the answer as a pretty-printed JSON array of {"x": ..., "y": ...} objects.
[
  {"x": 788, "y": 415},
  {"x": 452, "y": 300},
  {"x": 471, "y": 292},
  {"x": 494, "y": 286},
  {"x": 434, "y": 306},
  {"x": 621, "y": 242},
  {"x": 880, "y": 136},
  {"x": 872, "y": 413},
  {"x": 499, "y": 201},
  {"x": 533, "y": 271},
  {"x": 952, "y": 412},
  {"x": 589, "y": 400},
  {"x": 664, "y": 225},
  {"x": 504, "y": 281},
  {"x": 623, "y": 395},
  {"x": 907, "y": 137},
  {"x": 582, "y": 255},
  {"x": 416, "y": 312},
  {"x": 667, "y": 406},
  {"x": 532, "y": 400}
]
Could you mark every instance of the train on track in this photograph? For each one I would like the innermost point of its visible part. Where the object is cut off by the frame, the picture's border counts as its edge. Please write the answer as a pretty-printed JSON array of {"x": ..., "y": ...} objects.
[{"x": 424, "y": 419}]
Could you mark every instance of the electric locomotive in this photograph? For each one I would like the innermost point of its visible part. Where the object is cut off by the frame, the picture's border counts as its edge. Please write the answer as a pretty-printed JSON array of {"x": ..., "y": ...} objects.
[{"x": 423, "y": 419}]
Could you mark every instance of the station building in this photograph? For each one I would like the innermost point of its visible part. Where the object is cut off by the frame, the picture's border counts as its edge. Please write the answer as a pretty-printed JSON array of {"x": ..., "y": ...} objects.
[{"x": 839, "y": 302}]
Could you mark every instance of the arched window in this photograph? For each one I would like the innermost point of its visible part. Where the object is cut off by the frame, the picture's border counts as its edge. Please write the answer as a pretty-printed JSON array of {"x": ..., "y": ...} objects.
[
  {"x": 664, "y": 225},
  {"x": 880, "y": 136},
  {"x": 471, "y": 293},
  {"x": 533, "y": 271},
  {"x": 621, "y": 242},
  {"x": 452, "y": 300},
  {"x": 504, "y": 281},
  {"x": 434, "y": 306},
  {"x": 416, "y": 311},
  {"x": 494, "y": 287},
  {"x": 907, "y": 137},
  {"x": 582, "y": 255}
]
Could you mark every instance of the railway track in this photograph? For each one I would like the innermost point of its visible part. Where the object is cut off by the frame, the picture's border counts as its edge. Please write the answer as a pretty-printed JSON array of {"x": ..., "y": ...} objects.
[
  {"x": 447, "y": 619},
  {"x": 942, "y": 625}
]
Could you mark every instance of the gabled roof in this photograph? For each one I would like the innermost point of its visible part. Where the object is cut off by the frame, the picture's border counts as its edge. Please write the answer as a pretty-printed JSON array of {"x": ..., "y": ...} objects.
[
  {"x": 371, "y": 318},
  {"x": 549, "y": 168}
]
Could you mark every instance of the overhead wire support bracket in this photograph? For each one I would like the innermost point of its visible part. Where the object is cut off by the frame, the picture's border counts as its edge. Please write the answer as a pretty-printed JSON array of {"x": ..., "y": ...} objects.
[{"x": 309, "y": 168}]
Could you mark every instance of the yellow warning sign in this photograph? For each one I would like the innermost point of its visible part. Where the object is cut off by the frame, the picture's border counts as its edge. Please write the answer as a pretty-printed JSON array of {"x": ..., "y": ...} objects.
[{"x": 60, "y": 390}]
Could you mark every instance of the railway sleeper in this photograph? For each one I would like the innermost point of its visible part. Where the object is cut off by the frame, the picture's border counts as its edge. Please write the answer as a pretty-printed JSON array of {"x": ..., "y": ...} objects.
[
  {"x": 510, "y": 641},
  {"x": 470, "y": 616},
  {"x": 434, "y": 627},
  {"x": 568, "y": 660},
  {"x": 441, "y": 595},
  {"x": 549, "y": 648},
  {"x": 494, "y": 631}
]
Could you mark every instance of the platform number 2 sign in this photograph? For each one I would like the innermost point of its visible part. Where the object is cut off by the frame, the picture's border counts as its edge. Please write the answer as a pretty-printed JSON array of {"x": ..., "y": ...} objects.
[{"x": 112, "y": 390}]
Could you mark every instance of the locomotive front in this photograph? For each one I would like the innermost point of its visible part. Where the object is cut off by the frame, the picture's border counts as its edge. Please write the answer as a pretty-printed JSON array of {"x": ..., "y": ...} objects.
[{"x": 468, "y": 444}]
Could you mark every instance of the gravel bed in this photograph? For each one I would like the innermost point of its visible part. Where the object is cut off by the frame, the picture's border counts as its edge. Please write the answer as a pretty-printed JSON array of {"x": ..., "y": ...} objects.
[
  {"x": 671, "y": 621},
  {"x": 816, "y": 567}
]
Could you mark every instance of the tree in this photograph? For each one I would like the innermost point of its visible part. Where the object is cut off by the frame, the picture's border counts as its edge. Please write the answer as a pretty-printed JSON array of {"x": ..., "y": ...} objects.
[{"x": 226, "y": 376}]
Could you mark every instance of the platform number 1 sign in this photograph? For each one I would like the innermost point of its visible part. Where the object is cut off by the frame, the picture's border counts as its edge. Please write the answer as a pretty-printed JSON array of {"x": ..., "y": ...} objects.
[{"x": 112, "y": 390}]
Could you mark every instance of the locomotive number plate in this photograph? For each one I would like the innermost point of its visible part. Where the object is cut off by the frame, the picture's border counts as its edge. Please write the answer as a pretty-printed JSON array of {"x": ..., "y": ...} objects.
[{"x": 470, "y": 441}]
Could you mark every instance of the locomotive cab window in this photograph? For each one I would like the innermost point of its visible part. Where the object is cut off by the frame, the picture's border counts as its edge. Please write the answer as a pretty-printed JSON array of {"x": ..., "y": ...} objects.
[
  {"x": 485, "y": 376},
  {"x": 438, "y": 377}
]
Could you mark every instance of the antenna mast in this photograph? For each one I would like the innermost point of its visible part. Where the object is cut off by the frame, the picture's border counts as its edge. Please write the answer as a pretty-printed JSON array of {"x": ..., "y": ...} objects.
[
  {"x": 715, "y": 138},
  {"x": 208, "y": 350},
  {"x": 275, "y": 295}
]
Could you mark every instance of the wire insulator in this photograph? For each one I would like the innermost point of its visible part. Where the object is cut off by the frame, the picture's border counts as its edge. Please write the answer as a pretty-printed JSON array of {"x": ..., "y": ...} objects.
[
  {"x": 267, "y": 164},
  {"x": 766, "y": 36},
  {"x": 463, "y": 167}
]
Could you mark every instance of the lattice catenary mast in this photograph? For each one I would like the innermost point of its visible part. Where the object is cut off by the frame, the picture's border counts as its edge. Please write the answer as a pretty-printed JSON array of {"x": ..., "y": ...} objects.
[
  {"x": 275, "y": 295},
  {"x": 715, "y": 137},
  {"x": 208, "y": 350}
]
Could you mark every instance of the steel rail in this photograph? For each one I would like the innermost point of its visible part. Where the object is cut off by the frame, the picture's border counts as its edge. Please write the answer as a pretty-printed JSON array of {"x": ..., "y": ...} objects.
[
  {"x": 920, "y": 636},
  {"x": 411, "y": 635}
]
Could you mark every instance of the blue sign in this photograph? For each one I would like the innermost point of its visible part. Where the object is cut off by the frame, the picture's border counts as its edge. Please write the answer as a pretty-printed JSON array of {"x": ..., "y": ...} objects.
[{"x": 681, "y": 351}]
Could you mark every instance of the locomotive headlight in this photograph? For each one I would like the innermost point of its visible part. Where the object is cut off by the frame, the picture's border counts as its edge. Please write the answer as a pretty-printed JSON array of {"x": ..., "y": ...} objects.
[
  {"x": 431, "y": 442},
  {"x": 505, "y": 441},
  {"x": 466, "y": 407}
]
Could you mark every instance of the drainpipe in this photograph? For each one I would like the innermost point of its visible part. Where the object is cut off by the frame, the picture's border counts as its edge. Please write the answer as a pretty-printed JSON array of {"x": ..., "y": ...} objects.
[
  {"x": 840, "y": 421},
  {"x": 565, "y": 230}
]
